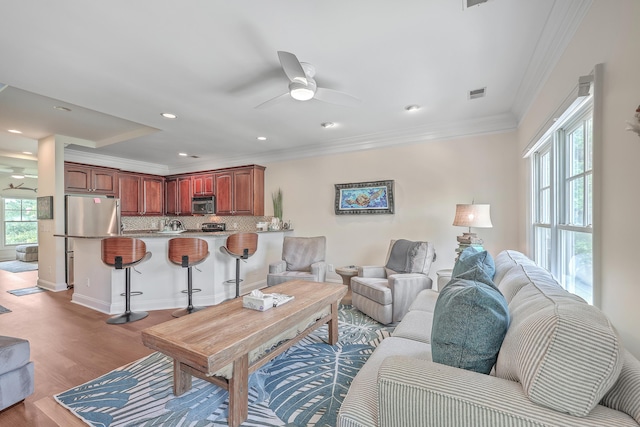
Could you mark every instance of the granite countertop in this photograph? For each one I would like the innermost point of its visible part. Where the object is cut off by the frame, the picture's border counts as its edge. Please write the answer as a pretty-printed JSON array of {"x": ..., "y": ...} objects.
[{"x": 156, "y": 233}]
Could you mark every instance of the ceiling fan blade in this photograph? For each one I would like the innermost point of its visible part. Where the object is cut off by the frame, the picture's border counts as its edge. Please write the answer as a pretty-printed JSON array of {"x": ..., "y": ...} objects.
[
  {"x": 335, "y": 97},
  {"x": 291, "y": 67},
  {"x": 273, "y": 101}
]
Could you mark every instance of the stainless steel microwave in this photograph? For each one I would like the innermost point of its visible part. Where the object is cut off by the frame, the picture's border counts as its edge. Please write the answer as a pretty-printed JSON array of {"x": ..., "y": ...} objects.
[{"x": 203, "y": 205}]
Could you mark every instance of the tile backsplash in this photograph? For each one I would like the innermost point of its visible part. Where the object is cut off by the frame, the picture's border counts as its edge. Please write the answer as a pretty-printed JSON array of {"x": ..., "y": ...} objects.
[{"x": 241, "y": 223}]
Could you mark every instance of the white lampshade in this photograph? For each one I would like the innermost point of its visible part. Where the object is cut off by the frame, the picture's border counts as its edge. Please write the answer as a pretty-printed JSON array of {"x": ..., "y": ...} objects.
[{"x": 477, "y": 216}]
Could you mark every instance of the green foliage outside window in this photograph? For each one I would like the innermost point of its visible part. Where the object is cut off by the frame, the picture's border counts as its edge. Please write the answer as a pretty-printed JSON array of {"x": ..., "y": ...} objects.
[{"x": 20, "y": 221}]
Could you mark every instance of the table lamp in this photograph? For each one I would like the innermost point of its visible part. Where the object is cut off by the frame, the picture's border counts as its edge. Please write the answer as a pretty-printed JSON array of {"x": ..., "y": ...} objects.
[{"x": 477, "y": 216}]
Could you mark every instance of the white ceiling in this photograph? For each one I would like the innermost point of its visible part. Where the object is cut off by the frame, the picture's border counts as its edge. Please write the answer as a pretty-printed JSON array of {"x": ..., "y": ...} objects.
[{"x": 118, "y": 64}]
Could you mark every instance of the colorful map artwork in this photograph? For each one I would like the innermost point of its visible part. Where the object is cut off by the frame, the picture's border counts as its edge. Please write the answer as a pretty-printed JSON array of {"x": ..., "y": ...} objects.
[{"x": 364, "y": 198}]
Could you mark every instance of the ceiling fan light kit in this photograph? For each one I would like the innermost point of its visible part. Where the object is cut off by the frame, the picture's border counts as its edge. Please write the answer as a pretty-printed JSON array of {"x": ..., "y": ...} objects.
[{"x": 302, "y": 86}]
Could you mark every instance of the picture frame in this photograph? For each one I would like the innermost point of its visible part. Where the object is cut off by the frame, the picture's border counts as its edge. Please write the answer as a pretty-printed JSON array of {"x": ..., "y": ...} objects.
[
  {"x": 45, "y": 207},
  {"x": 364, "y": 198}
]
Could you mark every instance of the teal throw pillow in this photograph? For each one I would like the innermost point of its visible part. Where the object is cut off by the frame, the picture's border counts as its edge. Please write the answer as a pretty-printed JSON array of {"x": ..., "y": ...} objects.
[
  {"x": 470, "y": 322},
  {"x": 470, "y": 258}
]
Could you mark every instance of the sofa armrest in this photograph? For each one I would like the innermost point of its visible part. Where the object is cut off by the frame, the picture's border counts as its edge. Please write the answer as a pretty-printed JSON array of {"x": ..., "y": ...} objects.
[
  {"x": 278, "y": 267},
  {"x": 418, "y": 392},
  {"x": 319, "y": 269},
  {"x": 373, "y": 271},
  {"x": 405, "y": 287}
]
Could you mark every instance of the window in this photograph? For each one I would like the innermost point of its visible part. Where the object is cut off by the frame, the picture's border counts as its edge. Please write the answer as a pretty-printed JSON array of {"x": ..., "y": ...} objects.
[
  {"x": 562, "y": 201},
  {"x": 20, "y": 221}
]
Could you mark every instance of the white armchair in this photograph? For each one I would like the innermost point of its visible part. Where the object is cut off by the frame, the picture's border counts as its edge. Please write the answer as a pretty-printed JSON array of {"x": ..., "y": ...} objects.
[
  {"x": 384, "y": 293},
  {"x": 303, "y": 258}
]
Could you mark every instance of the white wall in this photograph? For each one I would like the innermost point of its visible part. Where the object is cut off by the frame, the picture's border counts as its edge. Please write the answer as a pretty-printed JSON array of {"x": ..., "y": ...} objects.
[
  {"x": 609, "y": 34},
  {"x": 430, "y": 178}
]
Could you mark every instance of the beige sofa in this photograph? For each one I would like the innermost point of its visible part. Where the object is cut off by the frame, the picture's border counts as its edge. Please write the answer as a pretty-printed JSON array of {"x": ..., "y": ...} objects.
[{"x": 561, "y": 364}]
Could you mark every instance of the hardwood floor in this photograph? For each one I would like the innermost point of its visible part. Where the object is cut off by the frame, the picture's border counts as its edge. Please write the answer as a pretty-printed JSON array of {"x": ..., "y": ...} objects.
[{"x": 70, "y": 345}]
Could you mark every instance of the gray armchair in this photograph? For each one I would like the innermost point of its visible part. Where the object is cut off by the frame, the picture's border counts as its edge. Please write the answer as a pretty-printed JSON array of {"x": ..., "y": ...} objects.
[
  {"x": 303, "y": 258},
  {"x": 386, "y": 292}
]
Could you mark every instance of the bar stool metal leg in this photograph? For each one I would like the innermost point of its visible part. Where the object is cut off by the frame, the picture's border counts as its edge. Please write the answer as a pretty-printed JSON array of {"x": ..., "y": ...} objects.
[
  {"x": 128, "y": 315},
  {"x": 190, "y": 307}
]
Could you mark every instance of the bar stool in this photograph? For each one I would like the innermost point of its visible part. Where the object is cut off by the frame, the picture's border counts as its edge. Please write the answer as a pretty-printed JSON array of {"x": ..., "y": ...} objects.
[
  {"x": 187, "y": 252},
  {"x": 124, "y": 253},
  {"x": 240, "y": 246}
]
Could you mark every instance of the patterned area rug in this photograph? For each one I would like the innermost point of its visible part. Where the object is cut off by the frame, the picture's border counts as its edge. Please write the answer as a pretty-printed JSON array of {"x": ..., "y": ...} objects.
[
  {"x": 4, "y": 310},
  {"x": 304, "y": 386},
  {"x": 18, "y": 266}
]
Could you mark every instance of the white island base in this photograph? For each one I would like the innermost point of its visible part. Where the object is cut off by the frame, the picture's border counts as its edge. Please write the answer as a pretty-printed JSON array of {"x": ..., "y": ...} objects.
[{"x": 99, "y": 287}]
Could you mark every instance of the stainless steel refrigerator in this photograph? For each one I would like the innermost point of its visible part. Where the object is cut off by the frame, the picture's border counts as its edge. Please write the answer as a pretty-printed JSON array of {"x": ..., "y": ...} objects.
[{"x": 88, "y": 216}]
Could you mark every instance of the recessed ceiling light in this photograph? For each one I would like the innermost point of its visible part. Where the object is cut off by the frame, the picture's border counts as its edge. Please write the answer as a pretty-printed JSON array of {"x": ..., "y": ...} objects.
[
  {"x": 61, "y": 108},
  {"x": 14, "y": 131},
  {"x": 262, "y": 138},
  {"x": 17, "y": 176},
  {"x": 412, "y": 107},
  {"x": 183, "y": 154},
  {"x": 169, "y": 116},
  {"x": 327, "y": 125}
]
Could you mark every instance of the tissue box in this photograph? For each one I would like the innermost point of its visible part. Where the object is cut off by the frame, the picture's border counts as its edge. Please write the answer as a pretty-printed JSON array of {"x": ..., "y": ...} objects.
[{"x": 262, "y": 303}]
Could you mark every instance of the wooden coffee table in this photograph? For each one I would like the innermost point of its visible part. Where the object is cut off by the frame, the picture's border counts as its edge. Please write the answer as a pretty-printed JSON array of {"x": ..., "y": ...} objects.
[{"x": 208, "y": 340}]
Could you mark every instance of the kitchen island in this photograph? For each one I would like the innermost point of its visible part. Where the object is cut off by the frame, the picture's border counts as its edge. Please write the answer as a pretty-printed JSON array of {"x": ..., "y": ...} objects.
[{"x": 98, "y": 286}]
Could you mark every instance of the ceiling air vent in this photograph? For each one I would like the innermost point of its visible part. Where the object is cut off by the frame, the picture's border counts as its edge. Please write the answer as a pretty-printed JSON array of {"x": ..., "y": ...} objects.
[
  {"x": 477, "y": 93},
  {"x": 195, "y": 157},
  {"x": 466, "y": 4}
]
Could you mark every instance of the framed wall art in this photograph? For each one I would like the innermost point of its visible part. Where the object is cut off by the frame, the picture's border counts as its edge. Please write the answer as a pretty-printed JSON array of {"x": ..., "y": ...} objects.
[
  {"x": 359, "y": 198},
  {"x": 44, "y": 206}
]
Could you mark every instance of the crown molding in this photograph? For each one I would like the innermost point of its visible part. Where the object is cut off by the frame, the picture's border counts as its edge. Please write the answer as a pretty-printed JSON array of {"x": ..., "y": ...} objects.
[
  {"x": 114, "y": 162},
  {"x": 436, "y": 131},
  {"x": 562, "y": 23}
]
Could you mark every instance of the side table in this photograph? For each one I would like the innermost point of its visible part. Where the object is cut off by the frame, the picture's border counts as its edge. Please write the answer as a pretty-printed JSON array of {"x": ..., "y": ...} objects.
[
  {"x": 347, "y": 273},
  {"x": 443, "y": 277}
]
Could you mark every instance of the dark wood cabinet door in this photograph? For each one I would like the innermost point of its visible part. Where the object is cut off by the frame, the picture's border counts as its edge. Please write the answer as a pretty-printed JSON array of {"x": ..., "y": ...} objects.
[
  {"x": 203, "y": 185},
  {"x": 105, "y": 181},
  {"x": 152, "y": 196},
  {"x": 243, "y": 192},
  {"x": 130, "y": 195},
  {"x": 184, "y": 196},
  {"x": 171, "y": 196},
  {"x": 223, "y": 190},
  {"x": 77, "y": 179}
]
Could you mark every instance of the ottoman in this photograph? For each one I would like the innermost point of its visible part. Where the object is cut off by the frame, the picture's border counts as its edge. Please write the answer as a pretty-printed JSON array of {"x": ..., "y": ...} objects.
[
  {"x": 16, "y": 371},
  {"x": 27, "y": 252}
]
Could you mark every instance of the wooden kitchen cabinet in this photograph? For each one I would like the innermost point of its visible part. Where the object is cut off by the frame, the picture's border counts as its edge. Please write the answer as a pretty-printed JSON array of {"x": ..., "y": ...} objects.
[
  {"x": 141, "y": 194},
  {"x": 178, "y": 196},
  {"x": 202, "y": 185},
  {"x": 240, "y": 191},
  {"x": 87, "y": 179}
]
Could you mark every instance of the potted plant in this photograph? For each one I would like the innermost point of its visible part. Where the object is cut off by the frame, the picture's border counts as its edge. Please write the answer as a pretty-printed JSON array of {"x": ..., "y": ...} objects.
[{"x": 277, "y": 205}]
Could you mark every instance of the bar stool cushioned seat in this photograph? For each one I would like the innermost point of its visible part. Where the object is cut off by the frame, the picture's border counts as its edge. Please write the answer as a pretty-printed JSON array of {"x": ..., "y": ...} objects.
[
  {"x": 124, "y": 253},
  {"x": 240, "y": 246},
  {"x": 187, "y": 252},
  {"x": 16, "y": 371}
]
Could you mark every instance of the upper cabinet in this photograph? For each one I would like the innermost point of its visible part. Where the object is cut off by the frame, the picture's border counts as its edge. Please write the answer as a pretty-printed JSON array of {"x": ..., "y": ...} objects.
[
  {"x": 141, "y": 194},
  {"x": 240, "y": 191},
  {"x": 178, "y": 196},
  {"x": 202, "y": 184},
  {"x": 88, "y": 179}
]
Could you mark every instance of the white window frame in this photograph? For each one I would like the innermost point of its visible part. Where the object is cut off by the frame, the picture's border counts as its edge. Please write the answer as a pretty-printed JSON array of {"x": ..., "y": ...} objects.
[
  {"x": 555, "y": 143},
  {"x": 3, "y": 218}
]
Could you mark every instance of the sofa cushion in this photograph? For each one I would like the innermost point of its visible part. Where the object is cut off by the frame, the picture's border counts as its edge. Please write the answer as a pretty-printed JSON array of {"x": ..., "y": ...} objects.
[
  {"x": 625, "y": 394},
  {"x": 565, "y": 352},
  {"x": 416, "y": 325},
  {"x": 469, "y": 323},
  {"x": 14, "y": 353},
  {"x": 425, "y": 301},
  {"x": 470, "y": 258}
]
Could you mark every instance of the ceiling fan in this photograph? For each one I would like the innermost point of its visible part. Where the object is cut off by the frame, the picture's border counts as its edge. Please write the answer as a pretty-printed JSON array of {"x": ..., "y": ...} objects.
[
  {"x": 302, "y": 86},
  {"x": 16, "y": 173}
]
